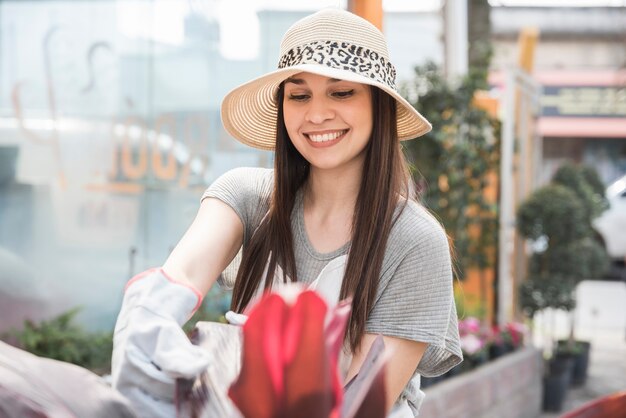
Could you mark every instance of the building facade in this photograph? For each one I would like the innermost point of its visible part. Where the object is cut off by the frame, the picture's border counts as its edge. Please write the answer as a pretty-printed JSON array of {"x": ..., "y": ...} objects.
[{"x": 580, "y": 62}]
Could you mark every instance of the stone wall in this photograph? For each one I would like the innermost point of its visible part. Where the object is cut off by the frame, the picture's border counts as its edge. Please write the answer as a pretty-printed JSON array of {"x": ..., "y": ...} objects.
[{"x": 510, "y": 387}]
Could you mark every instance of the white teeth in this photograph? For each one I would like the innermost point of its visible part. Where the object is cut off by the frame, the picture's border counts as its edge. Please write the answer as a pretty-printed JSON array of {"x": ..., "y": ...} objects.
[{"x": 325, "y": 137}]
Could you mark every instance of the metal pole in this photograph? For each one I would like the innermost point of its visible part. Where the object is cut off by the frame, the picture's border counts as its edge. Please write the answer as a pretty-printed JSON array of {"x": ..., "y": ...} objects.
[
  {"x": 455, "y": 36},
  {"x": 507, "y": 224}
]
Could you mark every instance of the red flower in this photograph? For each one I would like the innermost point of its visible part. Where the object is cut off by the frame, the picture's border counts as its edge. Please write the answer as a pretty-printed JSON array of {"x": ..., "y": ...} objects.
[
  {"x": 290, "y": 359},
  {"x": 289, "y": 365}
]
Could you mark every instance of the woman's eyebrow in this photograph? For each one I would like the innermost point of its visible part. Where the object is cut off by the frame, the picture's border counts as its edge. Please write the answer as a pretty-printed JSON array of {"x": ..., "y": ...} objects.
[
  {"x": 300, "y": 81},
  {"x": 294, "y": 80}
]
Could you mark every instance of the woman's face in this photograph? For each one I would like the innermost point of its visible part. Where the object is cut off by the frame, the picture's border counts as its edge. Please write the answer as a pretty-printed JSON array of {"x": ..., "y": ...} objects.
[{"x": 329, "y": 121}]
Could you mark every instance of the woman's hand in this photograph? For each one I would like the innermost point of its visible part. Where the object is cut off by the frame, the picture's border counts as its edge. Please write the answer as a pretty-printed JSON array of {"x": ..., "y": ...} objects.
[
  {"x": 403, "y": 356},
  {"x": 150, "y": 349}
]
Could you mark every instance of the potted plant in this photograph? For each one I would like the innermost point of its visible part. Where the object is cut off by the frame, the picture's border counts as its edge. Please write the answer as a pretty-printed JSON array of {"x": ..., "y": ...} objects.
[
  {"x": 506, "y": 339},
  {"x": 473, "y": 342},
  {"x": 552, "y": 218},
  {"x": 588, "y": 258},
  {"x": 557, "y": 219}
]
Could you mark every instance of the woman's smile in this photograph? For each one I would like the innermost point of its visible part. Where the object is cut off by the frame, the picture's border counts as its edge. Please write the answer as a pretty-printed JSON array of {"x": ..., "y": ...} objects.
[{"x": 319, "y": 139}]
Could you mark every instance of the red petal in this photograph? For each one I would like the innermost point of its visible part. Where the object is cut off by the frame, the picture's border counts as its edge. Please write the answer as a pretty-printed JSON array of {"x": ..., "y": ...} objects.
[
  {"x": 290, "y": 359},
  {"x": 258, "y": 391},
  {"x": 308, "y": 374}
]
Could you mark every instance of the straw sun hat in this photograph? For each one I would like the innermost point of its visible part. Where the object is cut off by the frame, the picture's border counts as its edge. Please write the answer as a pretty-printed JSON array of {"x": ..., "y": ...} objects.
[{"x": 332, "y": 43}]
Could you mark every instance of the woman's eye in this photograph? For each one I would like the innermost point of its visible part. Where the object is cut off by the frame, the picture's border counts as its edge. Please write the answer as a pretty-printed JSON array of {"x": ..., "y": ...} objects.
[
  {"x": 298, "y": 97},
  {"x": 343, "y": 94}
]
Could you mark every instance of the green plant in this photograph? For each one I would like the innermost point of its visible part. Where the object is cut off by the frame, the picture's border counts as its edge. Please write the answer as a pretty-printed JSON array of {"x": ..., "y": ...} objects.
[
  {"x": 60, "y": 338},
  {"x": 595, "y": 183},
  {"x": 480, "y": 50},
  {"x": 585, "y": 182},
  {"x": 552, "y": 212},
  {"x": 452, "y": 162},
  {"x": 215, "y": 304},
  {"x": 557, "y": 217}
]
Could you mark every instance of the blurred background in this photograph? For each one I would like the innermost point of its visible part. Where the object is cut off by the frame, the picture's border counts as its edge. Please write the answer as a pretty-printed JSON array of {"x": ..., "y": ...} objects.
[{"x": 110, "y": 132}]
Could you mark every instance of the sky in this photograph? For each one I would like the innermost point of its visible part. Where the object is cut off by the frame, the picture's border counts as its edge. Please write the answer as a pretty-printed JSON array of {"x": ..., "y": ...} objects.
[{"x": 139, "y": 18}]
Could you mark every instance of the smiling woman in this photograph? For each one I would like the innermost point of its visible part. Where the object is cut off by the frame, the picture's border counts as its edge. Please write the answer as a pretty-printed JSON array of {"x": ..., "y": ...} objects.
[
  {"x": 337, "y": 214},
  {"x": 322, "y": 113}
]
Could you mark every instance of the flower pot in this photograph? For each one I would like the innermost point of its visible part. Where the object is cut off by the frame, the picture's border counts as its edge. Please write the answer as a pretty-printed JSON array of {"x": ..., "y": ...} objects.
[
  {"x": 581, "y": 364},
  {"x": 562, "y": 363},
  {"x": 580, "y": 356},
  {"x": 556, "y": 382},
  {"x": 554, "y": 392},
  {"x": 499, "y": 349}
]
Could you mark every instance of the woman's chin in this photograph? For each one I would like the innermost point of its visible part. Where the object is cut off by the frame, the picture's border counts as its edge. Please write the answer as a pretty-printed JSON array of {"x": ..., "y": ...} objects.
[{"x": 335, "y": 164}]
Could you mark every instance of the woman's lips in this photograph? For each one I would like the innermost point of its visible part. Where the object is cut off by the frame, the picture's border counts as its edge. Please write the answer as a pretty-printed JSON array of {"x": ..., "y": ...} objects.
[{"x": 326, "y": 138}]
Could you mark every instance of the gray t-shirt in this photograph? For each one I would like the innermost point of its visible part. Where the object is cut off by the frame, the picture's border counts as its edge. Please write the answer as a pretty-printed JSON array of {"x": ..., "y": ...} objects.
[{"x": 415, "y": 297}]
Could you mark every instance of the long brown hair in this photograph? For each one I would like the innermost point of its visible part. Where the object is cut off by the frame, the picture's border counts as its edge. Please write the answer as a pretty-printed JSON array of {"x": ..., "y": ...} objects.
[{"x": 384, "y": 183}]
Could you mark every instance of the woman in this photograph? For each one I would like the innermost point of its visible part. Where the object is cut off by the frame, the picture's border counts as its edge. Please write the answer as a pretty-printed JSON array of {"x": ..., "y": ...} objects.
[{"x": 336, "y": 212}]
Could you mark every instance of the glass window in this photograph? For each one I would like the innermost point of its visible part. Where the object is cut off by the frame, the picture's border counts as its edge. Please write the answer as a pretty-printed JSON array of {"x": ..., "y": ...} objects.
[{"x": 110, "y": 132}]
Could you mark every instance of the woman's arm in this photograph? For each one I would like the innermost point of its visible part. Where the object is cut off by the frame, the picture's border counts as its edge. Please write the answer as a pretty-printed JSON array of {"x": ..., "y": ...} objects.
[
  {"x": 208, "y": 246},
  {"x": 150, "y": 349},
  {"x": 403, "y": 356}
]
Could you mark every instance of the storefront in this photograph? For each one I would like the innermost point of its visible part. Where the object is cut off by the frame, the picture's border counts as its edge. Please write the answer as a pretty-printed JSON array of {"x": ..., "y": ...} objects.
[{"x": 583, "y": 119}]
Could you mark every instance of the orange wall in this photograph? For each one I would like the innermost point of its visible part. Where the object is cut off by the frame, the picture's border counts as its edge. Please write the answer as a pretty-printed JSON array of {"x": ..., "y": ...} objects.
[{"x": 477, "y": 289}]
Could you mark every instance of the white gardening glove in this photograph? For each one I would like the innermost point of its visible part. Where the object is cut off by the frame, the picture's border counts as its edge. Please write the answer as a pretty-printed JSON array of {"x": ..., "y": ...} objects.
[
  {"x": 150, "y": 349},
  {"x": 235, "y": 318}
]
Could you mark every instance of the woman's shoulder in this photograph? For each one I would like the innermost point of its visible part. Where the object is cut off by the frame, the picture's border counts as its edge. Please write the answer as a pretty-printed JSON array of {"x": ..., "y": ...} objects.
[
  {"x": 417, "y": 226},
  {"x": 246, "y": 182},
  {"x": 244, "y": 175},
  {"x": 247, "y": 190}
]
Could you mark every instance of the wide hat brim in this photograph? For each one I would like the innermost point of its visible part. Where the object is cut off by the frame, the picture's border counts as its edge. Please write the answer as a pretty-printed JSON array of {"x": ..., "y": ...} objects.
[{"x": 249, "y": 111}]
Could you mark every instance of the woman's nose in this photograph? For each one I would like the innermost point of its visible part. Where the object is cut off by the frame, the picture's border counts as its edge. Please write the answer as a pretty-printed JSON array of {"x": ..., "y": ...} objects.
[{"x": 319, "y": 111}]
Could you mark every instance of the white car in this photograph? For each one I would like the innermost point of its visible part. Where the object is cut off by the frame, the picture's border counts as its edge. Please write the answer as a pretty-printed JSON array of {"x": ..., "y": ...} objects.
[{"x": 611, "y": 225}]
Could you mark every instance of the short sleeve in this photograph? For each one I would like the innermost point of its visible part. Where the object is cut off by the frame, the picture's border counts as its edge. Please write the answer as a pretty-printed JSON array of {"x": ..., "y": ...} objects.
[
  {"x": 417, "y": 302},
  {"x": 247, "y": 191}
]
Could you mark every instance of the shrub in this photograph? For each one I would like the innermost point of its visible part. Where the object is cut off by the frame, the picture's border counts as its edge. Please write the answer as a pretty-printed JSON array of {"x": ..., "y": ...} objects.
[{"x": 60, "y": 338}]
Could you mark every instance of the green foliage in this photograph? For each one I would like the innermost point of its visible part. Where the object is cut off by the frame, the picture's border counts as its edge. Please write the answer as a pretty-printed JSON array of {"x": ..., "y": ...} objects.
[
  {"x": 552, "y": 211},
  {"x": 595, "y": 183},
  {"x": 539, "y": 292},
  {"x": 215, "y": 304},
  {"x": 584, "y": 182},
  {"x": 582, "y": 259},
  {"x": 480, "y": 50},
  {"x": 560, "y": 214},
  {"x": 453, "y": 160},
  {"x": 571, "y": 347},
  {"x": 61, "y": 339}
]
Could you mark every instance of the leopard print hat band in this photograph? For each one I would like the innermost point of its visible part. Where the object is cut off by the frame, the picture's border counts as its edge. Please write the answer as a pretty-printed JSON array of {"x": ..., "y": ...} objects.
[
  {"x": 333, "y": 43},
  {"x": 342, "y": 56}
]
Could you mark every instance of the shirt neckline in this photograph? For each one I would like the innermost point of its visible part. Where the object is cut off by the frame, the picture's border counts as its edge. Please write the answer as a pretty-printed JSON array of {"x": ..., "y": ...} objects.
[{"x": 304, "y": 238}]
